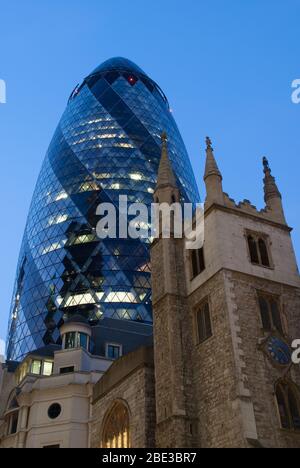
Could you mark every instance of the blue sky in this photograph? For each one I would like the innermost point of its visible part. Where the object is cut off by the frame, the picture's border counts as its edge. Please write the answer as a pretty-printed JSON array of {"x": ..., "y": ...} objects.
[{"x": 225, "y": 65}]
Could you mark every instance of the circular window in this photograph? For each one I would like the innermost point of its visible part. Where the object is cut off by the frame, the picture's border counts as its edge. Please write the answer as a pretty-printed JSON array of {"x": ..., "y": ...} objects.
[{"x": 54, "y": 411}]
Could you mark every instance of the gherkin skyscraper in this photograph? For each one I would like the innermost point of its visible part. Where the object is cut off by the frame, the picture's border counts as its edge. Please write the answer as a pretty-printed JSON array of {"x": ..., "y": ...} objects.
[{"x": 107, "y": 144}]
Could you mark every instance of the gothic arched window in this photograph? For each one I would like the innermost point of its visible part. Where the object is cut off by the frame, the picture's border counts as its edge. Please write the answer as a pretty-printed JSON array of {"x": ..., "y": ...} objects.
[
  {"x": 13, "y": 414},
  {"x": 116, "y": 432},
  {"x": 270, "y": 313},
  {"x": 289, "y": 405},
  {"x": 259, "y": 249}
]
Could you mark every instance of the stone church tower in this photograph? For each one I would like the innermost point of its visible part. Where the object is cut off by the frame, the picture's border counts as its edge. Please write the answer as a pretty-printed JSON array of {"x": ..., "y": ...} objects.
[
  {"x": 174, "y": 411},
  {"x": 225, "y": 317},
  {"x": 219, "y": 373}
]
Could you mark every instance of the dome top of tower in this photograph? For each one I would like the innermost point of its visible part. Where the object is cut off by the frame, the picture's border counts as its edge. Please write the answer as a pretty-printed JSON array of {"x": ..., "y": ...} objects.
[
  {"x": 118, "y": 64},
  {"x": 121, "y": 66}
]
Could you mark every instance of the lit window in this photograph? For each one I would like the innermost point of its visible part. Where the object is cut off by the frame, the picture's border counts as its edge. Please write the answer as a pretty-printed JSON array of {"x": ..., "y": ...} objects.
[
  {"x": 53, "y": 247},
  {"x": 48, "y": 368},
  {"x": 58, "y": 219},
  {"x": 84, "y": 239},
  {"x": 62, "y": 196},
  {"x": 122, "y": 297},
  {"x": 135, "y": 176},
  {"x": 97, "y": 175},
  {"x": 89, "y": 187},
  {"x": 107, "y": 135},
  {"x": 80, "y": 299},
  {"x": 123, "y": 145},
  {"x": 116, "y": 433},
  {"x": 61, "y": 219},
  {"x": 36, "y": 367},
  {"x": 115, "y": 187},
  {"x": 23, "y": 371},
  {"x": 83, "y": 299}
]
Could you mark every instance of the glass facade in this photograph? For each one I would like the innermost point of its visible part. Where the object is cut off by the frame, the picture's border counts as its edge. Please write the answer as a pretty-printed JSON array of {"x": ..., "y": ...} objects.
[{"x": 107, "y": 144}]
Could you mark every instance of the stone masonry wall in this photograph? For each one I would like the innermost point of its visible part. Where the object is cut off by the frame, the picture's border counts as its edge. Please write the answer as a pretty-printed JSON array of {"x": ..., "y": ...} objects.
[
  {"x": 215, "y": 372},
  {"x": 262, "y": 374},
  {"x": 234, "y": 380},
  {"x": 137, "y": 391},
  {"x": 175, "y": 400}
]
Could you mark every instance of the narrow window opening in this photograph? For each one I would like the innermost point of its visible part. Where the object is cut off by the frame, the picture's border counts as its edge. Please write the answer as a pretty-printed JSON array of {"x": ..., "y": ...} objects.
[
  {"x": 283, "y": 411},
  {"x": 194, "y": 263},
  {"x": 263, "y": 253},
  {"x": 67, "y": 370},
  {"x": 276, "y": 316},
  {"x": 253, "y": 250},
  {"x": 14, "y": 423},
  {"x": 204, "y": 323},
  {"x": 265, "y": 316},
  {"x": 198, "y": 262}
]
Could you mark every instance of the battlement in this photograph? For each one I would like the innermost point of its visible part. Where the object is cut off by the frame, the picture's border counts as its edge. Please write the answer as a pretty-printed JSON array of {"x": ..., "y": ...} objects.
[
  {"x": 247, "y": 208},
  {"x": 273, "y": 210}
]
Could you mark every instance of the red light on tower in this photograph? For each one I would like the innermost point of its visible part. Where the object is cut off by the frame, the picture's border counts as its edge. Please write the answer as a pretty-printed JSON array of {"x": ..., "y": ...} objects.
[{"x": 132, "y": 80}]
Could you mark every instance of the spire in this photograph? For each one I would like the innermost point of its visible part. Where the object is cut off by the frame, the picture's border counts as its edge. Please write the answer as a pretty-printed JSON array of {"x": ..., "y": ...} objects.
[
  {"x": 166, "y": 177},
  {"x": 273, "y": 197},
  {"x": 166, "y": 191},
  {"x": 270, "y": 186},
  {"x": 212, "y": 177},
  {"x": 211, "y": 168}
]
